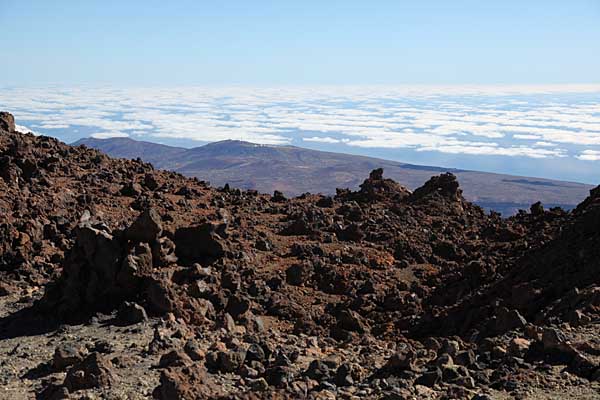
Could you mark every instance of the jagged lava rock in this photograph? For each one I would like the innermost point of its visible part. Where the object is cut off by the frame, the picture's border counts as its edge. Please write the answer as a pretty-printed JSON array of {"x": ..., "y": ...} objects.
[{"x": 372, "y": 294}]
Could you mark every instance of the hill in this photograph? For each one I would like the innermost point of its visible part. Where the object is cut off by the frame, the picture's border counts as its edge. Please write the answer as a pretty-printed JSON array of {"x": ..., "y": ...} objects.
[{"x": 294, "y": 170}]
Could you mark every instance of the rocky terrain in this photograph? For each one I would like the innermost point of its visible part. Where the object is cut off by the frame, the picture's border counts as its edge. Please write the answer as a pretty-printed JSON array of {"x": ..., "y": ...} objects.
[
  {"x": 294, "y": 170},
  {"x": 120, "y": 281}
]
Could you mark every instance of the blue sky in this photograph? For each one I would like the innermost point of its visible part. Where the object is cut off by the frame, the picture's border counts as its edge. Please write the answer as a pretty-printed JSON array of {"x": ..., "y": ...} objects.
[{"x": 299, "y": 42}]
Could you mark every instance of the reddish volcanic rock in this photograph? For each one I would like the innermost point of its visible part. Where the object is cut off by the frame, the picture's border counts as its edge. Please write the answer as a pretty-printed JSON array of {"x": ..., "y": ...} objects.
[{"x": 376, "y": 293}]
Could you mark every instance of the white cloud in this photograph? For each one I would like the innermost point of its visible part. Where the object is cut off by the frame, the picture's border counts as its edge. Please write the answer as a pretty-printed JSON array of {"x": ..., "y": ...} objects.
[
  {"x": 544, "y": 144},
  {"x": 24, "y": 129},
  {"x": 320, "y": 139},
  {"x": 494, "y": 150},
  {"x": 53, "y": 126},
  {"x": 527, "y": 137},
  {"x": 108, "y": 135},
  {"x": 447, "y": 119},
  {"x": 589, "y": 155}
]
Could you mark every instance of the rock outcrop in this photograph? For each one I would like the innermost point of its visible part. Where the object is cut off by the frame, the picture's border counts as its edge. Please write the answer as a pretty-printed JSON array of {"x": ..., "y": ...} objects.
[{"x": 7, "y": 122}]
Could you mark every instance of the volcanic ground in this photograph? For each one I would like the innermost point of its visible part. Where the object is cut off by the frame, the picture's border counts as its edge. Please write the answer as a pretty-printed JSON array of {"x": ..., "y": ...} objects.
[{"x": 120, "y": 281}]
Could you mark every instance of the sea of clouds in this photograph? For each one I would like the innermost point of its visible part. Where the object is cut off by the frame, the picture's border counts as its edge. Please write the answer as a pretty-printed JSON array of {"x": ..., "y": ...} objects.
[{"x": 558, "y": 122}]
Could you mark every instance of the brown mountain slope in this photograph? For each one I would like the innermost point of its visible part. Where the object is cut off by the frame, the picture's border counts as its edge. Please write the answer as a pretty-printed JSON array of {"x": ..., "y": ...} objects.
[
  {"x": 122, "y": 281},
  {"x": 294, "y": 170}
]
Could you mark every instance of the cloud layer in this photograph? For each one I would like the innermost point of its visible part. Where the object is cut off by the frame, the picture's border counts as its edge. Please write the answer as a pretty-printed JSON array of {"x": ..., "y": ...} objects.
[{"x": 512, "y": 121}]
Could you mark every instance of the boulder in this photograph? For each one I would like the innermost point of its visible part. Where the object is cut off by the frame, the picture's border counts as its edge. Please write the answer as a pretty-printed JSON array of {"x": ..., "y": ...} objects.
[
  {"x": 352, "y": 233},
  {"x": 442, "y": 186},
  {"x": 94, "y": 371},
  {"x": 377, "y": 188},
  {"x": 465, "y": 358},
  {"x": 517, "y": 347},
  {"x": 298, "y": 227},
  {"x": 183, "y": 384},
  {"x": 199, "y": 243},
  {"x": 537, "y": 209},
  {"x": 231, "y": 360},
  {"x": 131, "y": 313},
  {"x": 174, "y": 358},
  {"x": 278, "y": 197},
  {"x": 150, "y": 182},
  {"x": 430, "y": 378},
  {"x": 507, "y": 320},
  {"x": 66, "y": 355},
  {"x": 137, "y": 264},
  {"x": 350, "y": 320},
  {"x": 318, "y": 371},
  {"x": 89, "y": 275},
  {"x": 237, "y": 306},
  {"x": 7, "y": 122},
  {"x": 131, "y": 189},
  {"x": 298, "y": 274},
  {"x": 146, "y": 228},
  {"x": 193, "y": 351},
  {"x": 403, "y": 359}
]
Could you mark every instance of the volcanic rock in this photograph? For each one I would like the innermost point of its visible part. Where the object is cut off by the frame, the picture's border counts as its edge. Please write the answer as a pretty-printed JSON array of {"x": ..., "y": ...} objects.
[
  {"x": 403, "y": 359},
  {"x": 182, "y": 384},
  {"x": 351, "y": 321},
  {"x": 199, "y": 243},
  {"x": 7, "y": 122},
  {"x": 377, "y": 188},
  {"x": 131, "y": 189},
  {"x": 298, "y": 274},
  {"x": 146, "y": 228},
  {"x": 174, "y": 358},
  {"x": 444, "y": 186},
  {"x": 66, "y": 355},
  {"x": 93, "y": 372},
  {"x": 131, "y": 313}
]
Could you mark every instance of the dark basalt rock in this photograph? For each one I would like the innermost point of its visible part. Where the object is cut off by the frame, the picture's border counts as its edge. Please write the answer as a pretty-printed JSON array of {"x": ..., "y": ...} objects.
[
  {"x": 7, "y": 122},
  {"x": 199, "y": 243},
  {"x": 278, "y": 197},
  {"x": 66, "y": 355},
  {"x": 146, "y": 228},
  {"x": 444, "y": 186},
  {"x": 131, "y": 189},
  {"x": 377, "y": 188},
  {"x": 131, "y": 313},
  {"x": 94, "y": 371}
]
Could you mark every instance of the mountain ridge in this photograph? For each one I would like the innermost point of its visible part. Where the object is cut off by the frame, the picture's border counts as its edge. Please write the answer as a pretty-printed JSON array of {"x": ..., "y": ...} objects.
[{"x": 295, "y": 170}]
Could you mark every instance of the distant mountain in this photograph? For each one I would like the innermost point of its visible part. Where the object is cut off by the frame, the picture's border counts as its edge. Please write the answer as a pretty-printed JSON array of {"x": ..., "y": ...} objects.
[
  {"x": 294, "y": 170},
  {"x": 127, "y": 148}
]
